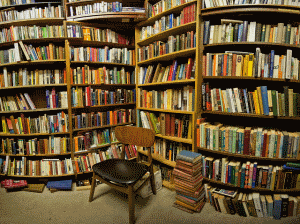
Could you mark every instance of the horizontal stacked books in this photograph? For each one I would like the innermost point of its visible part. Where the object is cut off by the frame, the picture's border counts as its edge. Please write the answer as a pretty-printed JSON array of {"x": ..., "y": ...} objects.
[
  {"x": 253, "y": 204},
  {"x": 188, "y": 182}
]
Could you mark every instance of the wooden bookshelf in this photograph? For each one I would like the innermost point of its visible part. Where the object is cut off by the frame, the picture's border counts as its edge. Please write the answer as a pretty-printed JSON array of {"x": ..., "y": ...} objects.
[
  {"x": 159, "y": 158},
  {"x": 168, "y": 185},
  {"x": 167, "y": 111},
  {"x": 176, "y": 82}
]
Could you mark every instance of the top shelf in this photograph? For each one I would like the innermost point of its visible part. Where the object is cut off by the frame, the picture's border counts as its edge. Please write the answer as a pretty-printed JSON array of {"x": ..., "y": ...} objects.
[
  {"x": 175, "y": 9},
  {"x": 250, "y": 8},
  {"x": 29, "y": 4}
]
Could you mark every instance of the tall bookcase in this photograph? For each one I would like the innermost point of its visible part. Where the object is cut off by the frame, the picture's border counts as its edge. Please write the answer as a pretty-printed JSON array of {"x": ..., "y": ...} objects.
[
  {"x": 247, "y": 66},
  {"x": 167, "y": 55}
]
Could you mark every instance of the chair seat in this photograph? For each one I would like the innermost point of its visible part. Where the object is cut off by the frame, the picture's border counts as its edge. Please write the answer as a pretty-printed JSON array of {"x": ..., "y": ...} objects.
[{"x": 120, "y": 170}]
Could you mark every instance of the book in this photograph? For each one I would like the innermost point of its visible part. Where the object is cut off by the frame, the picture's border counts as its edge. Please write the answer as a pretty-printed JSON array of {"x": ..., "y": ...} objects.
[
  {"x": 189, "y": 156},
  {"x": 60, "y": 184}
]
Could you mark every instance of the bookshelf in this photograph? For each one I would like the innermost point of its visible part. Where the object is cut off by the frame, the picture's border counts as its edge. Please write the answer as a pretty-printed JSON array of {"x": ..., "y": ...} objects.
[
  {"x": 102, "y": 88},
  {"x": 233, "y": 105},
  {"x": 160, "y": 96}
]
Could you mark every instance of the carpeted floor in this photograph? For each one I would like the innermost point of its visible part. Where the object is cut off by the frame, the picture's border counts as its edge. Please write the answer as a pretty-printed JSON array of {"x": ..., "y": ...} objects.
[{"x": 109, "y": 206}]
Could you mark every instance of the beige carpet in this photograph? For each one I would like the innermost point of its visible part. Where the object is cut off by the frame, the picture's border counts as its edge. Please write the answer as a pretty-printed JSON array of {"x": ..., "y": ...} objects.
[{"x": 109, "y": 206}]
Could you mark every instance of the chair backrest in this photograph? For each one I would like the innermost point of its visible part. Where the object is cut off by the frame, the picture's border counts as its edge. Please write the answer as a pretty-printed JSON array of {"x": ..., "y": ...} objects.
[{"x": 135, "y": 136}]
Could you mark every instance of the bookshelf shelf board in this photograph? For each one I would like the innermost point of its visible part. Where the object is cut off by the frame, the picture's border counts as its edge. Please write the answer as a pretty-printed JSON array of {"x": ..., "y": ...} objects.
[
  {"x": 169, "y": 57},
  {"x": 185, "y": 81},
  {"x": 33, "y": 134},
  {"x": 167, "y": 111},
  {"x": 79, "y": 41},
  {"x": 251, "y": 43},
  {"x": 80, "y": 2},
  {"x": 103, "y": 63},
  {"x": 29, "y": 111},
  {"x": 168, "y": 184},
  {"x": 249, "y": 115},
  {"x": 108, "y": 15},
  {"x": 28, "y": 4},
  {"x": 103, "y": 84},
  {"x": 159, "y": 158},
  {"x": 100, "y": 127},
  {"x": 93, "y": 148},
  {"x": 36, "y": 40},
  {"x": 107, "y": 105},
  {"x": 32, "y": 86},
  {"x": 173, "y": 31},
  {"x": 27, "y": 176},
  {"x": 37, "y": 155},
  {"x": 85, "y": 172},
  {"x": 33, "y": 62},
  {"x": 251, "y": 8},
  {"x": 175, "y": 9},
  {"x": 27, "y": 22},
  {"x": 252, "y": 189},
  {"x": 248, "y": 156},
  {"x": 251, "y": 78},
  {"x": 175, "y": 139}
]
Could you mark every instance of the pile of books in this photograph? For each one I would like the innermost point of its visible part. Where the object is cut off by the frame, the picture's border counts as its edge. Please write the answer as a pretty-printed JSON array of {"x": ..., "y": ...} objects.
[{"x": 188, "y": 178}]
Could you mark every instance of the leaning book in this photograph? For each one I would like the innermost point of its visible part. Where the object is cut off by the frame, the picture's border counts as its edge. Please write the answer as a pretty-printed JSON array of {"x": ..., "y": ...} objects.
[{"x": 225, "y": 192}]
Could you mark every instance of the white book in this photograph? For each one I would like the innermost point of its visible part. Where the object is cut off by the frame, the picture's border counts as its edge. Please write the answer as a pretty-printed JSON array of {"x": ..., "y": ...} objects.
[
  {"x": 257, "y": 204},
  {"x": 5, "y": 76},
  {"x": 288, "y": 66},
  {"x": 237, "y": 99},
  {"x": 276, "y": 66},
  {"x": 264, "y": 205},
  {"x": 17, "y": 52},
  {"x": 211, "y": 34},
  {"x": 252, "y": 28}
]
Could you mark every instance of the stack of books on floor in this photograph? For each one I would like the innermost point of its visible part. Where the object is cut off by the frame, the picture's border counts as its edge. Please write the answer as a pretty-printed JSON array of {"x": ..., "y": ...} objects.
[
  {"x": 190, "y": 193},
  {"x": 54, "y": 186},
  {"x": 253, "y": 204}
]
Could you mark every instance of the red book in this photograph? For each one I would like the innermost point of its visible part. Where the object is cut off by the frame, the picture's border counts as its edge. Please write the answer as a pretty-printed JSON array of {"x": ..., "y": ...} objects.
[
  {"x": 171, "y": 71},
  {"x": 24, "y": 123},
  {"x": 172, "y": 125},
  {"x": 168, "y": 127},
  {"x": 233, "y": 65},
  {"x": 247, "y": 140},
  {"x": 264, "y": 149},
  {"x": 224, "y": 73}
]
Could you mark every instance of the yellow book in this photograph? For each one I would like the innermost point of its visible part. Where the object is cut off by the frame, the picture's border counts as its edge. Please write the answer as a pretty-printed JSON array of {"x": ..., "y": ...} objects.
[
  {"x": 256, "y": 106},
  {"x": 169, "y": 97},
  {"x": 86, "y": 34},
  {"x": 4, "y": 125},
  {"x": 250, "y": 65},
  {"x": 259, "y": 100},
  {"x": 245, "y": 65}
]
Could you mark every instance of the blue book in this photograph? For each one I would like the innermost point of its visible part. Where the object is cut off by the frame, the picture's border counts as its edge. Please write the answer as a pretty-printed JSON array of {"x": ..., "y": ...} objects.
[
  {"x": 246, "y": 100},
  {"x": 188, "y": 156},
  {"x": 192, "y": 198},
  {"x": 254, "y": 174},
  {"x": 206, "y": 32},
  {"x": 243, "y": 176},
  {"x": 277, "y": 206},
  {"x": 240, "y": 31},
  {"x": 285, "y": 167},
  {"x": 264, "y": 96},
  {"x": 229, "y": 174},
  {"x": 272, "y": 63},
  {"x": 174, "y": 70},
  {"x": 60, "y": 184}
]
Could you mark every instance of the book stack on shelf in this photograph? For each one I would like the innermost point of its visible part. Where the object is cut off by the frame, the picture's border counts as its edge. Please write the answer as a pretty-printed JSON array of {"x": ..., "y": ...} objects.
[
  {"x": 253, "y": 204},
  {"x": 190, "y": 193}
]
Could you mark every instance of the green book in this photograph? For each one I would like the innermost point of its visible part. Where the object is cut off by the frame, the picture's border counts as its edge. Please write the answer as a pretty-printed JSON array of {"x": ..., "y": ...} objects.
[
  {"x": 274, "y": 103},
  {"x": 296, "y": 165}
]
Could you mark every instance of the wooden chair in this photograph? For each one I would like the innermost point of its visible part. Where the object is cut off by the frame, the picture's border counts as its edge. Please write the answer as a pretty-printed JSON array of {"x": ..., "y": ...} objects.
[{"x": 122, "y": 174}]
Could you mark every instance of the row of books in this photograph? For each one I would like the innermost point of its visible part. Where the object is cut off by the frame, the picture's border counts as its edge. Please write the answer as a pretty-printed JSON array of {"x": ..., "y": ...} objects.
[
  {"x": 99, "y": 119},
  {"x": 237, "y": 63},
  {"x": 91, "y": 139},
  {"x": 98, "y": 97},
  {"x": 166, "y": 173},
  {"x": 97, "y": 34},
  {"x": 174, "y": 125},
  {"x": 44, "y": 167},
  {"x": 168, "y": 149},
  {"x": 10, "y": 103},
  {"x": 250, "y": 175},
  {"x": 95, "y": 8},
  {"x": 210, "y": 3},
  {"x": 15, "y": 33},
  {"x": 32, "y": 13},
  {"x": 190, "y": 192},
  {"x": 174, "y": 43},
  {"x": 35, "y": 146},
  {"x": 41, "y": 124},
  {"x": 169, "y": 99},
  {"x": 258, "y": 142},
  {"x": 102, "y": 75},
  {"x": 253, "y": 204},
  {"x": 187, "y": 15},
  {"x": 170, "y": 73},
  {"x": 261, "y": 101},
  {"x": 84, "y": 163},
  {"x": 113, "y": 55},
  {"x": 24, "y": 77},
  {"x": 56, "y": 99},
  {"x": 162, "y": 6},
  {"x": 28, "y": 52},
  {"x": 240, "y": 31},
  {"x": 15, "y": 2}
]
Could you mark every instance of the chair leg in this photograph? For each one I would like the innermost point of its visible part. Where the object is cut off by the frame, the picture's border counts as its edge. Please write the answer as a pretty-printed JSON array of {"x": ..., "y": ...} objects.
[
  {"x": 131, "y": 204},
  {"x": 92, "y": 188},
  {"x": 152, "y": 180}
]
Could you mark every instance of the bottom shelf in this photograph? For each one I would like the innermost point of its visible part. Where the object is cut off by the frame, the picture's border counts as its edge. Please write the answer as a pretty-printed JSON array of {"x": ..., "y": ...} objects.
[{"x": 168, "y": 184}]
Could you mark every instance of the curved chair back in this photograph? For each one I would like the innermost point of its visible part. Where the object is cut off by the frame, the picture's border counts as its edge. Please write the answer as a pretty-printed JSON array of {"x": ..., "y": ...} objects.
[{"x": 135, "y": 136}]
